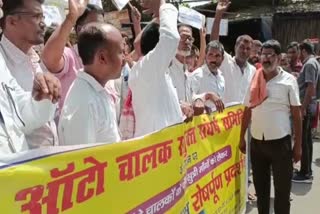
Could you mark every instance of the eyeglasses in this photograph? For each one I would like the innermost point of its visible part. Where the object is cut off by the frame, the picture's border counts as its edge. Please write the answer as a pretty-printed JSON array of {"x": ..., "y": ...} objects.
[
  {"x": 37, "y": 16},
  {"x": 269, "y": 55},
  {"x": 185, "y": 38}
]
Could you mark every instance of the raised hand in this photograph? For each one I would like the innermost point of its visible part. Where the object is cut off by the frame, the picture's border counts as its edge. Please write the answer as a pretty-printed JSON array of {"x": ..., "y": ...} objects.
[
  {"x": 77, "y": 8},
  {"x": 223, "y": 6},
  {"x": 136, "y": 15}
]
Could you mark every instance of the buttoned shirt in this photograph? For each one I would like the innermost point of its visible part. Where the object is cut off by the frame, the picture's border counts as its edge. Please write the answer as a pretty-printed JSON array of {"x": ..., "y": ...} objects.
[
  {"x": 180, "y": 80},
  {"x": 237, "y": 80},
  {"x": 88, "y": 115},
  {"x": 203, "y": 81},
  {"x": 271, "y": 119},
  {"x": 23, "y": 67},
  {"x": 154, "y": 98},
  {"x": 21, "y": 114}
]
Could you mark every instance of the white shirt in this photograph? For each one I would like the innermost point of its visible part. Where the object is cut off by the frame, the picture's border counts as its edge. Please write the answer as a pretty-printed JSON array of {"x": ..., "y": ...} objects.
[
  {"x": 21, "y": 113},
  {"x": 203, "y": 80},
  {"x": 88, "y": 115},
  {"x": 22, "y": 68},
  {"x": 271, "y": 119},
  {"x": 180, "y": 80},
  {"x": 236, "y": 82},
  {"x": 154, "y": 98}
]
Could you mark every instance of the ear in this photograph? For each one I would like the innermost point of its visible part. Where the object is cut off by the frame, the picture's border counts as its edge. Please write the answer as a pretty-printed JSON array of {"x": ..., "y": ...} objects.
[
  {"x": 11, "y": 20},
  {"x": 102, "y": 57}
]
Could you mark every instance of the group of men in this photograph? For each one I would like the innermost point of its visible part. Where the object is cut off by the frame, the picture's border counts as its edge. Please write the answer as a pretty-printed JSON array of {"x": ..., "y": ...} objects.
[{"x": 98, "y": 91}]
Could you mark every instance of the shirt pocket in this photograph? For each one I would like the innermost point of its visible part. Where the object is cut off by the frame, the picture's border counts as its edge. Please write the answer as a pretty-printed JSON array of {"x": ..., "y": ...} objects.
[{"x": 278, "y": 94}]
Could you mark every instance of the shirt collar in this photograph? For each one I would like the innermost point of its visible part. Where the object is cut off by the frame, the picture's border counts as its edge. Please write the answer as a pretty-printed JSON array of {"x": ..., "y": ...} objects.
[
  {"x": 245, "y": 66},
  {"x": 89, "y": 79},
  {"x": 14, "y": 53},
  {"x": 208, "y": 72}
]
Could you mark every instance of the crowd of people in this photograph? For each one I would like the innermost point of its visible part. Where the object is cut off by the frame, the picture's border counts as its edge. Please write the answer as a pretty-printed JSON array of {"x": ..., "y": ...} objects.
[{"x": 106, "y": 89}]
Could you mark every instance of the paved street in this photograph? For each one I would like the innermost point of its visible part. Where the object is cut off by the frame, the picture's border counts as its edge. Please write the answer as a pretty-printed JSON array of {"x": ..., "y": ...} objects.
[{"x": 306, "y": 197}]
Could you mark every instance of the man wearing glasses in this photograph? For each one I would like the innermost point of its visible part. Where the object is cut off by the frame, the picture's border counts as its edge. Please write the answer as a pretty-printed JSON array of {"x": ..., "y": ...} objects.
[
  {"x": 177, "y": 69},
  {"x": 271, "y": 131},
  {"x": 23, "y": 28},
  {"x": 22, "y": 112}
]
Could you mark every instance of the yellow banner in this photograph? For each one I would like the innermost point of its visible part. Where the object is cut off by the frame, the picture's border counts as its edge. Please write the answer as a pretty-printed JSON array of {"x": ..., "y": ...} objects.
[{"x": 194, "y": 167}]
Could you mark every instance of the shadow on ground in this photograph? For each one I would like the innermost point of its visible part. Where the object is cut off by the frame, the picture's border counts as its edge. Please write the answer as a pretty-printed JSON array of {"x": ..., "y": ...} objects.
[{"x": 300, "y": 189}]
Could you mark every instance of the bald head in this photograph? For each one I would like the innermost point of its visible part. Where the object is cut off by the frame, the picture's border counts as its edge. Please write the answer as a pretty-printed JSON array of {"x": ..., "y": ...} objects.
[{"x": 96, "y": 36}]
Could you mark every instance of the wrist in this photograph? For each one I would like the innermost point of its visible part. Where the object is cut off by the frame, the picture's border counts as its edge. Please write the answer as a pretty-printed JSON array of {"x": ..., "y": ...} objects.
[{"x": 71, "y": 19}]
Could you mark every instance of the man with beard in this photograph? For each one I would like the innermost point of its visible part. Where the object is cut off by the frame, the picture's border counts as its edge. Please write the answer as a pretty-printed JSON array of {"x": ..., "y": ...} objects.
[
  {"x": 271, "y": 131},
  {"x": 295, "y": 64},
  {"x": 23, "y": 27},
  {"x": 236, "y": 70},
  {"x": 255, "y": 54},
  {"x": 178, "y": 69},
  {"x": 208, "y": 78}
]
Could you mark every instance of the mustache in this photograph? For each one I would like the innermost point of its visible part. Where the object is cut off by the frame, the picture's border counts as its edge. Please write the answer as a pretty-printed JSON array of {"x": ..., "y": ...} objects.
[{"x": 266, "y": 63}]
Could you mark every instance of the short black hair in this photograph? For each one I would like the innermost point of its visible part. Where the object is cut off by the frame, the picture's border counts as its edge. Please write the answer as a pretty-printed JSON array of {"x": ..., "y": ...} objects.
[
  {"x": 10, "y": 6},
  {"x": 149, "y": 38},
  {"x": 91, "y": 8},
  {"x": 91, "y": 39},
  {"x": 293, "y": 45},
  {"x": 245, "y": 39},
  {"x": 215, "y": 44},
  {"x": 307, "y": 46},
  {"x": 272, "y": 44}
]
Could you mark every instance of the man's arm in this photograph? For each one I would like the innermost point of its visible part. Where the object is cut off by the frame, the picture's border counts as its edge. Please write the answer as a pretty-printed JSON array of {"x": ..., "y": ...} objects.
[
  {"x": 52, "y": 54},
  {"x": 310, "y": 78},
  {"x": 203, "y": 45},
  {"x": 222, "y": 7},
  {"x": 297, "y": 130},
  {"x": 244, "y": 126},
  {"x": 161, "y": 56}
]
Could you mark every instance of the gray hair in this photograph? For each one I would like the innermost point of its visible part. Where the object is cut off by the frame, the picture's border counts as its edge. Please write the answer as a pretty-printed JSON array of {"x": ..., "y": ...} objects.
[{"x": 215, "y": 44}]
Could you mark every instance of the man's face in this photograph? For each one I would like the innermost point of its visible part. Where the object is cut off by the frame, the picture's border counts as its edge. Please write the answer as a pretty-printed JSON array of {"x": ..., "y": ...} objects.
[
  {"x": 186, "y": 41},
  {"x": 191, "y": 61},
  {"x": 243, "y": 50},
  {"x": 92, "y": 17},
  {"x": 29, "y": 22},
  {"x": 214, "y": 59},
  {"x": 284, "y": 62},
  {"x": 293, "y": 54},
  {"x": 269, "y": 59},
  {"x": 255, "y": 54}
]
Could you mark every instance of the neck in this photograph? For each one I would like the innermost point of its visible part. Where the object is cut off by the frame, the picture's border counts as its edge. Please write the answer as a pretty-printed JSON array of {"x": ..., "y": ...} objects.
[
  {"x": 180, "y": 58},
  {"x": 240, "y": 63},
  {"x": 92, "y": 71},
  {"x": 20, "y": 44},
  {"x": 269, "y": 75}
]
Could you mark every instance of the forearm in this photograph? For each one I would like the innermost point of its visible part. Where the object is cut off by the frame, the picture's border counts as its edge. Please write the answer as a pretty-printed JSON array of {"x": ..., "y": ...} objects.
[
  {"x": 216, "y": 27},
  {"x": 297, "y": 127},
  {"x": 202, "y": 55},
  {"x": 310, "y": 92},
  {"x": 36, "y": 113},
  {"x": 52, "y": 54},
  {"x": 245, "y": 122},
  {"x": 136, "y": 28}
]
